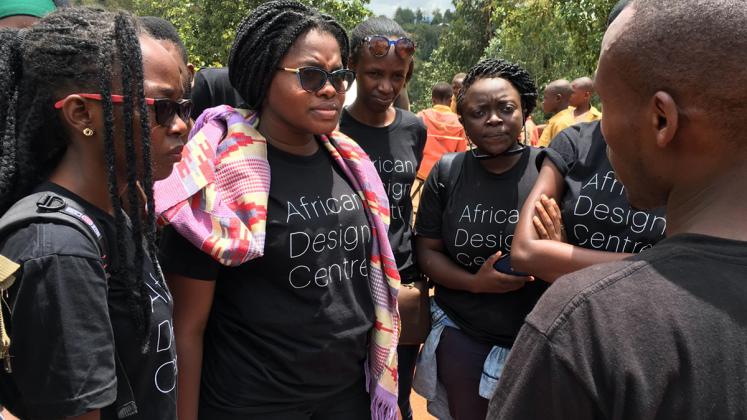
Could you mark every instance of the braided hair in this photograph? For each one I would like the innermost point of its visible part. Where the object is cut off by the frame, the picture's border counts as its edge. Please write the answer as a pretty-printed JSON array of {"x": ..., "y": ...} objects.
[
  {"x": 265, "y": 36},
  {"x": 80, "y": 50},
  {"x": 492, "y": 68}
]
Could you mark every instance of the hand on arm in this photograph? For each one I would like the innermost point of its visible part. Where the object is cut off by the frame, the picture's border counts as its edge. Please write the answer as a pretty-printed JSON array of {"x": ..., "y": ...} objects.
[
  {"x": 547, "y": 220},
  {"x": 544, "y": 258},
  {"x": 441, "y": 269},
  {"x": 193, "y": 300}
]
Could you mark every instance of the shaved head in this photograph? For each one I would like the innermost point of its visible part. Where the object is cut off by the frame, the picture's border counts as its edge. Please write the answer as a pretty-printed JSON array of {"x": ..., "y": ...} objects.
[
  {"x": 458, "y": 78},
  {"x": 695, "y": 50},
  {"x": 556, "y": 96},
  {"x": 559, "y": 87},
  {"x": 441, "y": 93},
  {"x": 583, "y": 89},
  {"x": 583, "y": 83}
]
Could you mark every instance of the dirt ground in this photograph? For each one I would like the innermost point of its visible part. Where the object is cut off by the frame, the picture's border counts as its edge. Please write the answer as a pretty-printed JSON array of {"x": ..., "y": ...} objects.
[{"x": 418, "y": 407}]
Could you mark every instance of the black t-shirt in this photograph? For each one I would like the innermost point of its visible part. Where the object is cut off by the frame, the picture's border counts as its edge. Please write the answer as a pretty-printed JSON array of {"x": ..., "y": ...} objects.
[
  {"x": 479, "y": 219},
  {"x": 291, "y": 326},
  {"x": 212, "y": 87},
  {"x": 596, "y": 212},
  {"x": 396, "y": 151},
  {"x": 659, "y": 335},
  {"x": 66, "y": 317}
]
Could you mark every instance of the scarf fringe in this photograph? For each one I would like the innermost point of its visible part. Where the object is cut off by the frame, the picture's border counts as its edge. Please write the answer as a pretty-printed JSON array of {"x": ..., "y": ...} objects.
[{"x": 383, "y": 404}]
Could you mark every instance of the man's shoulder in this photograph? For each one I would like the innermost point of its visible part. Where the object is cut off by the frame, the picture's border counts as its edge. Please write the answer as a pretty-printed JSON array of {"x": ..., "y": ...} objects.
[
  {"x": 564, "y": 117},
  {"x": 602, "y": 287}
]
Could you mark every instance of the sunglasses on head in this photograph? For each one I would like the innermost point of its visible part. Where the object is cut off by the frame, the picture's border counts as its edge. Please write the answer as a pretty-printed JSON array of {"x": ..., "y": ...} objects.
[
  {"x": 165, "y": 109},
  {"x": 312, "y": 79},
  {"x": 379, "y": 45}
]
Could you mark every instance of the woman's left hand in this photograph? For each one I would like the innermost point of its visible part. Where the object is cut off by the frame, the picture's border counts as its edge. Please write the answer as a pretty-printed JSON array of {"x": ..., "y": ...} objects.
[{"x": 547, "y": 219}]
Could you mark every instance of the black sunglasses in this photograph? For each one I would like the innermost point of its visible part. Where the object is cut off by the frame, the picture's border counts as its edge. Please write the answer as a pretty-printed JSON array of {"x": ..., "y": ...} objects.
[
  {"x": 166, "y": 109},
  {"x": 379, "y": 46},
  {"x": 312, "y": 79}
]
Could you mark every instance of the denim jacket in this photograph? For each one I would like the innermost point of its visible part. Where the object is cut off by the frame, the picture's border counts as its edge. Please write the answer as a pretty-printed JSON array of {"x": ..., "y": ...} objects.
[{"x": 426, "y": 382}]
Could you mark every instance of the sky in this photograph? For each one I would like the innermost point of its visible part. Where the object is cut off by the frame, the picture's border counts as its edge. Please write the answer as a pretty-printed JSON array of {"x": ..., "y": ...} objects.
[{"x": 387, "y": 7}]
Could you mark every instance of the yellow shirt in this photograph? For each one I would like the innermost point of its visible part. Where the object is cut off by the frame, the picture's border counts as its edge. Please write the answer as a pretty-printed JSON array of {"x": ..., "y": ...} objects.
[
  {"x": 557, "y": 123},
  {"x": 453, "y": 104},
  {"x": 592, "y": 114}
]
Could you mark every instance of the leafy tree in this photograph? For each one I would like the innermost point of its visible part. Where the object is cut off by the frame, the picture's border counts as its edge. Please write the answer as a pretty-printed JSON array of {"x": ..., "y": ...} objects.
[
  {"x": 551, "y": 39},
  {"x": 207, "y": 27},
  {"x": 419, "y": 18},
  {"x": 448, "y": 16},
  {"x": 461, "y": 45},
  {"x": 437, "y": 17},
  {"x": 404, "y": 16}
]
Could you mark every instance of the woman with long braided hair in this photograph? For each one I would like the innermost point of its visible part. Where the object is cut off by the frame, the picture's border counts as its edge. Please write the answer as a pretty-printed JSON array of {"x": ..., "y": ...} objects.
[
  {"x": 91, "y": 114},
  {"x": 283, "y": 277},
  {"x": 466, "y": 220}
]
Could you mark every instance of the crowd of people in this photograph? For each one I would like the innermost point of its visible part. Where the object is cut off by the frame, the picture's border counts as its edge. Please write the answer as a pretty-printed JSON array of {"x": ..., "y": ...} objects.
[{"x": 283, "y": 239}]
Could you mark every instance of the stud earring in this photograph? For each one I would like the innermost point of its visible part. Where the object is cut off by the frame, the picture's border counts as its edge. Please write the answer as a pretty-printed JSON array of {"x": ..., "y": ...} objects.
[{"x": 88, "y": 132}]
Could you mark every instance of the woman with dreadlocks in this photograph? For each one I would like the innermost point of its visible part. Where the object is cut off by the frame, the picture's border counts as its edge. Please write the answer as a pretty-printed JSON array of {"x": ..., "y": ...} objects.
[
  {"x": 91, "y": 113},
  {"x": 382, "y": 58},
  {"x": 466, "y": 220},
  {"x": 284, "y": 280}
]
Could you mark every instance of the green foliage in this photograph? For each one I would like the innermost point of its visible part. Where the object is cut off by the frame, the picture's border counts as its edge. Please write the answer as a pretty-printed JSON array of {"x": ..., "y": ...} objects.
[
  {"x": 462, "y": 43},
  {"x": 551, "y": 39},
  {"x": 404, "y": 16},
  {"x": 207, "y": 27}
]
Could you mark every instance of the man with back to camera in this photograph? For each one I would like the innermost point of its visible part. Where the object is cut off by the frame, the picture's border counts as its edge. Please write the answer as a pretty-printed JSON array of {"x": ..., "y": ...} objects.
[
  {"x": 662, "y": 334},
  {"x": 556, "y": 100}
]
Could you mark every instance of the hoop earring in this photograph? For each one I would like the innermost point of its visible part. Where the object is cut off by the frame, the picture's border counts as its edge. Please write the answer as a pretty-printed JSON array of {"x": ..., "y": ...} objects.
[{"x": 88, "y": 132}]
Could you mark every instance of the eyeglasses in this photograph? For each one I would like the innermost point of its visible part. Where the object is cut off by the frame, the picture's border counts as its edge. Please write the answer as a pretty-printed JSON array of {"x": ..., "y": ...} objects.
[
  {"x": 313, "y": 79},
  {"x": 164, "y": 108},
  {"x": 379, "y": 46}
]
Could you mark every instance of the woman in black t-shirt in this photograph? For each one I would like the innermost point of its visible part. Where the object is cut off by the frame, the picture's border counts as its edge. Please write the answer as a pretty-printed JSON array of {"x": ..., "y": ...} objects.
[
  {"x": 594, "y": 222},
  {"x": 465, "y": 222},
  {"x": 92, "y": 114},
  {"x": 394, "y": 140},
  {"x": 289, "y": 331}
]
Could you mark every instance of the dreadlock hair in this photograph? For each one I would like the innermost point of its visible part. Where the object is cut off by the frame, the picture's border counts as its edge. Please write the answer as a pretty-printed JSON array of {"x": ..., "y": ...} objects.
[
  {"x": 74, "y": 50},
  {"x": 493, "y": 68},
  {"x": 373, "y": 26},
  {"x": 265, "y": 36}
]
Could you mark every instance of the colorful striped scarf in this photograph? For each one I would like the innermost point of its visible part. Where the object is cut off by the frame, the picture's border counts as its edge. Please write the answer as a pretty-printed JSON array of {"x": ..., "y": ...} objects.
[{"x": 216, "y": 198}]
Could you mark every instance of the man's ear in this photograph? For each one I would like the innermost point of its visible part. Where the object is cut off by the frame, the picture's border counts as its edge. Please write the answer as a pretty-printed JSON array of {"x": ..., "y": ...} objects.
[
  {"x": 664, "y": 117},
  {"x": 78, "y": 113}
]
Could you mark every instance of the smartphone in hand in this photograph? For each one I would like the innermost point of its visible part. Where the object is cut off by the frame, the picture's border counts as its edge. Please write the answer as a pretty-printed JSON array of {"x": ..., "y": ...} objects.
[{"x": 503, "y": 265}]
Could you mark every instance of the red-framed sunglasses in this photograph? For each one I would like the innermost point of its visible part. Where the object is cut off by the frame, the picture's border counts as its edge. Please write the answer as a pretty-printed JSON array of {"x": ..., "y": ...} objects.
[
  {"x": 165, "y": 108},
  {"x": 379, "y": 46}
]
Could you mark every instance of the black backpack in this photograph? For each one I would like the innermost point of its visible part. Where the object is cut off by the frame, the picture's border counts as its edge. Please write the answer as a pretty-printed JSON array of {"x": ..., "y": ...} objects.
[{"x": 48, "y": 207}]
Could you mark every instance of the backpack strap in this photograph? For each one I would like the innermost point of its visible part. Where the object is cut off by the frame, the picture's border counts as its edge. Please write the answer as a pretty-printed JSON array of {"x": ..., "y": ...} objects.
[
  {"x": 449, "y": 171},
  {"x": 48, "y": 207}
]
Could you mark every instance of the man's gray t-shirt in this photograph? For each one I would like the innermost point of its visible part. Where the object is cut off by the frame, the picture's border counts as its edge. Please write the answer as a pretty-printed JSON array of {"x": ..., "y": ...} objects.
[{"x": 662, "y": 334}]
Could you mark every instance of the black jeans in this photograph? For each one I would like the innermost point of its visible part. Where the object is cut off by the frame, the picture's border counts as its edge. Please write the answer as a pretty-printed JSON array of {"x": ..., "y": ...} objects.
[
  {"x": 460, "y": 360},
  {"x": 406, "y": 358}
]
